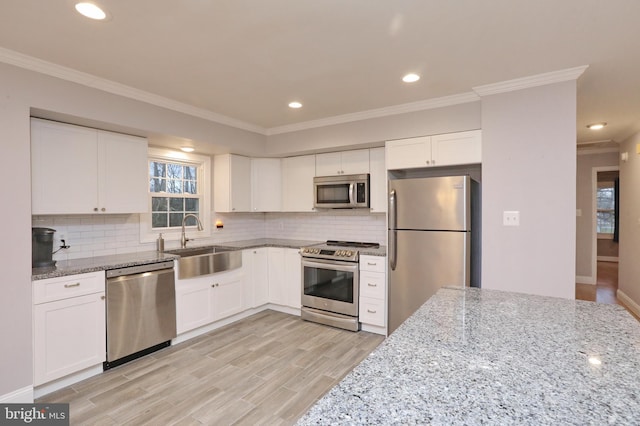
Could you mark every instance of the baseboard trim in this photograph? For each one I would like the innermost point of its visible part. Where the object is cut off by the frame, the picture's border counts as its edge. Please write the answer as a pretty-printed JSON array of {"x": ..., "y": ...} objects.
[
  {"x": 607, "y": 259},
  {"x": 628, "y": 302},
  {"x": 63, "y": 382},
  {"x": 373, "y": 329},
  {"x": 581, "y": 279},
  {"x": 19, "y": 396}
]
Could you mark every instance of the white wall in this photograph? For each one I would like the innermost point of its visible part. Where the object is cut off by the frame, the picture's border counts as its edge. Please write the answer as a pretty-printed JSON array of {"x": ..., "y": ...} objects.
[
  {"x": 529, "y": 165},
  {"x": 584, "y": 197},
  {"x": 629, "y": 267}
]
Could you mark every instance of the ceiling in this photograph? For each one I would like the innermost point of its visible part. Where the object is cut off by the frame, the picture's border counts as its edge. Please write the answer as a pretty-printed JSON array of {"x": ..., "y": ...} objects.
[{"x": 245, "y": 60}]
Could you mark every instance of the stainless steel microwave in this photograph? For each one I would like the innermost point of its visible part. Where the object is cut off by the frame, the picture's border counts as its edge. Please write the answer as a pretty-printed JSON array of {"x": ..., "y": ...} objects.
[{"x": 341, "y": 192}]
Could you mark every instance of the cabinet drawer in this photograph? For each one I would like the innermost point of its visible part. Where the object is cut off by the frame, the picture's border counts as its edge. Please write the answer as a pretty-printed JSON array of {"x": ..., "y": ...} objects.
[
  {"x": 373, "y": 263},
  {"x": 372, "y": 285},
  {"x": 372, "y": 311},
  {"x": 60, "y": 288}
]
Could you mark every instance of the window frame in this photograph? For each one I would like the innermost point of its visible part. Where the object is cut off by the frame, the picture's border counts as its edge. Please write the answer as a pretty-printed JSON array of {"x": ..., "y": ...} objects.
[{"x": 203, "y": 165}]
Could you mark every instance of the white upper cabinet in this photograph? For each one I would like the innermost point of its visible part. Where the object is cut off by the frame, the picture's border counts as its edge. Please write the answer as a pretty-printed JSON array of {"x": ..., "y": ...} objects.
[
  {"x": 377, "y": 181},
  {"x": 456, "y": 148},
  {"x": 439, "y": 150},
  {"x": 266, "y": 185},
  {"x": 78, "y": 170},
  {"x": 342, "y": 163},
  {"x": 297, "y": 183},
  {"x": 231, "y": 183}
]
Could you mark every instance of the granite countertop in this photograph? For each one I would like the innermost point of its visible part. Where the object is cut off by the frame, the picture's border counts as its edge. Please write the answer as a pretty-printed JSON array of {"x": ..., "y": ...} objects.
[
  {"x": 101, "y": 263},
  {"x": 472, "y": 356}
]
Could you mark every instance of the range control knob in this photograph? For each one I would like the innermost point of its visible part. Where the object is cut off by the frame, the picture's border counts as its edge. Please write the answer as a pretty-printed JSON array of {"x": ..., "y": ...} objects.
[{"x": 349, "y": 253}]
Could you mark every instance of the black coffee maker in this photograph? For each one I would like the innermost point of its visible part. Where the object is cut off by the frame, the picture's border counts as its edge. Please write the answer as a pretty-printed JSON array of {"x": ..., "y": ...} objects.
[{"x": 42, "y": 247}]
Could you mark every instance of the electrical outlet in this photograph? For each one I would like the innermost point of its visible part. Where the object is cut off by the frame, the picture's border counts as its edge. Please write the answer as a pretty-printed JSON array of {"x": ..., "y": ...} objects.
[{"x": 511, "y": 218}]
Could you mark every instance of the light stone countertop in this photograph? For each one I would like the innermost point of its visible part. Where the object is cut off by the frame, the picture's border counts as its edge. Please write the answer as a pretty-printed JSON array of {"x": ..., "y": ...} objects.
[
  {"x": 101, "y": 263},
  {"x": 472, "y": 356}
]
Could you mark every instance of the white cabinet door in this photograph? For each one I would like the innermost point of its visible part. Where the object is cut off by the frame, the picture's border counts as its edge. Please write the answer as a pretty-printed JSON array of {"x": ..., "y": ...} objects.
[
  {"x": 378, "y": 181},
  {"x": 457, "y": 148},
  {"x": 276, "y": 273},
  {"x": 355, "y": 162},
  {"x": 226, "y": 291},
  {"x": 408, "y": 153},
  {"x": 260, "y": 277},
  {"x": 293, "y": 277},
  {"x": 231, "y": 183},
  {"x": 77, "y": 170},
  {"x": 297, "y": 183},
  {"x": 194, "y": 303},
  {"x": 64, "y": 168},
  {"x": 266, "y": 185},
  {"x": 342, "y": 163},
  {"x": 123, "y": 184},
  {"x": 69, "y": 335},
  {"x": 328, "y": 164}
]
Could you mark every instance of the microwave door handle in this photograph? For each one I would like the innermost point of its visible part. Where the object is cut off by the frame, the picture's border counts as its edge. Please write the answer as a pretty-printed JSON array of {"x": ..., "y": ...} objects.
[
  {"x": 352, "y": 198},
  {"x": 393, "y": 233}
]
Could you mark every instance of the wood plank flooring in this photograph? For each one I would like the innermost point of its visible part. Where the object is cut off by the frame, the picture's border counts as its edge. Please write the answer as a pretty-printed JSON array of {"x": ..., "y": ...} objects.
[
  {"x": 267, "y": 369},
  {"x": 606, "y": 285}
]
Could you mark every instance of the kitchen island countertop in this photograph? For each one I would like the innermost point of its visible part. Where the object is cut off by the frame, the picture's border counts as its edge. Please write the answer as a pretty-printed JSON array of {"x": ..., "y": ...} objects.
[{"x": 471, "y": 356}]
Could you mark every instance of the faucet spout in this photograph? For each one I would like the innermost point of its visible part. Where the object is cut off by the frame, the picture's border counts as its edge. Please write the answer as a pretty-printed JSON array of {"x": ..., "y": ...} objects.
[{"x": 184, "y": 239}]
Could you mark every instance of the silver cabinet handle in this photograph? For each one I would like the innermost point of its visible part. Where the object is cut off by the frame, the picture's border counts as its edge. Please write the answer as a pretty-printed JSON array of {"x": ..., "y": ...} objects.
[
  {"x": 72, "y": 285},
  {"x": 372, "y": 285},
  {"x": 372, "y": 264},
  {"x": 371, "y": 312}
]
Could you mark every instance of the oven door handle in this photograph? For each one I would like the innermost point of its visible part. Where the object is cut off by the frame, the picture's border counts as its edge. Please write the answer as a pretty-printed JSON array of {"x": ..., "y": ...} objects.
[{"x": 329, "y": 264}]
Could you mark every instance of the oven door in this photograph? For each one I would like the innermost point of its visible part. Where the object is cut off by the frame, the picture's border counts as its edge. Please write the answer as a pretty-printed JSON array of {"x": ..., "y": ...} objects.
[{"x": 330, "y": 285}]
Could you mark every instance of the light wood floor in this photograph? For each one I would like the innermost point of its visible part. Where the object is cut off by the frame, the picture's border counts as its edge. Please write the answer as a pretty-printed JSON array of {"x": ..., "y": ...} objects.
[
  {"x": 606, "y": 285},
  {"x": 266, "y": 369}
]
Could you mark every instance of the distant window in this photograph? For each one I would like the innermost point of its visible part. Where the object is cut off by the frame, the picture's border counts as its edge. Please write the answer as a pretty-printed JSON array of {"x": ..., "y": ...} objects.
[{"x": 605, "y": 216}]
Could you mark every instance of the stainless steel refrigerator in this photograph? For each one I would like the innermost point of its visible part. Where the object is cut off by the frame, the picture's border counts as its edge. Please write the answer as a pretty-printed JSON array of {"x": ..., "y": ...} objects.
[{"x": 434, "y": 240}]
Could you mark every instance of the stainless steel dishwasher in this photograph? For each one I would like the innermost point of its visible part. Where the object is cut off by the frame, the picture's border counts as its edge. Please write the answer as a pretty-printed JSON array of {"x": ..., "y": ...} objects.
[{"x": 141, "y": 311}]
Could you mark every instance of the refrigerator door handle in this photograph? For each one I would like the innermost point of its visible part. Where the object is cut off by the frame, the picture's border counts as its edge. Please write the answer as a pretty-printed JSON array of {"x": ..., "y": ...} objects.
[{"x": 393, "y": 233}]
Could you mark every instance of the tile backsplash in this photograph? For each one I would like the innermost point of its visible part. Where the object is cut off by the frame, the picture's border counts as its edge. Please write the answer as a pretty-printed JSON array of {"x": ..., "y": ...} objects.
[{"x": 100, "y": 235}]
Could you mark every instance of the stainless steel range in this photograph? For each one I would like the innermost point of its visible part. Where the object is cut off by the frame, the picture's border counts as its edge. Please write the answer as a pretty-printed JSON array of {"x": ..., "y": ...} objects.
[{"x": 330, "y": 283}]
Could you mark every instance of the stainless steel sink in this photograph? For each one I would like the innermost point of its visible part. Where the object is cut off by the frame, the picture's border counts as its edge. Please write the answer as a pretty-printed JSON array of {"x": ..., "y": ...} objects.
[{"x": 198, "y": 261}]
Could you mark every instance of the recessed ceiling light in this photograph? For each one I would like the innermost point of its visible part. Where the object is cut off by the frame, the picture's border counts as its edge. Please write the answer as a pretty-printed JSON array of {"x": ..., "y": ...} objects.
[
  {"x": 187, "y": 148},
  {"x": 295, "y": 105},
  {"x": 596, "y": 126},
  {"x": 411, "y": 78},
  {"x": 90, "y": 10}
]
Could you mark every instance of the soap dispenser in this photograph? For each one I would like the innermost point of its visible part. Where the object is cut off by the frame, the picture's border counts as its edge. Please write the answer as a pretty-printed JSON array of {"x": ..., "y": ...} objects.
[{"x": 160, "y": 244}]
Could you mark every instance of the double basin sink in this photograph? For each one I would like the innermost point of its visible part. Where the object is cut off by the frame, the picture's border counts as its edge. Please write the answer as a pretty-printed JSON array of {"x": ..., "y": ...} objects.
[{"x": 198, "y": 261}]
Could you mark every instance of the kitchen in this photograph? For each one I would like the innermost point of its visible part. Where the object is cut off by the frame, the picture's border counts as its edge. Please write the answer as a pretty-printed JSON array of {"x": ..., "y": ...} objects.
[{"x": 509, "y": 153}]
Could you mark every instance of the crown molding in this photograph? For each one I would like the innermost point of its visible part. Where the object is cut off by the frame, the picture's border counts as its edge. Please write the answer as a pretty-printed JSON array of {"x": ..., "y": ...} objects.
[
  {"x": 531, "y": 81},
  {"x": 377, "y": 113},
  {"x": 48, "y": 68},
  {"x": 591, "y": 151}
]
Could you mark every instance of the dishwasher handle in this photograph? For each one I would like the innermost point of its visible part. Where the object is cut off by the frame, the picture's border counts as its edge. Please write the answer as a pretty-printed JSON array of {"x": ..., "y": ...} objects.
[{"x": 139, "y": 269}]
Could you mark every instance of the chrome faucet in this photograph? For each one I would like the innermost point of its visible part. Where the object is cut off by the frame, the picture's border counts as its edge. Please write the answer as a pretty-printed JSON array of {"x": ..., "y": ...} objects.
[{"x": 184, "y": 239}]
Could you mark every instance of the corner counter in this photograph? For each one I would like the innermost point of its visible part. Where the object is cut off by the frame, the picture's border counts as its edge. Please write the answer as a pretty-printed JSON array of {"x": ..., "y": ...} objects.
[{"x": 472, "y": 356}]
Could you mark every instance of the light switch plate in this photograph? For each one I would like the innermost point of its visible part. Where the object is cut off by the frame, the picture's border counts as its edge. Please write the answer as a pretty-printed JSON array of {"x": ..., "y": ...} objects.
[{"x": 511, "y": 218}]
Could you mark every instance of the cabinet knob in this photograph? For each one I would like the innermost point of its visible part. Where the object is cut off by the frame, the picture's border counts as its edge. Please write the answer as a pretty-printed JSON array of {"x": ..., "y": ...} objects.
[
  {"x": 103, "y": 209},
  {"x": 95, "y": 209},
  {"x": 214, "y": 285},
  {"x": 102, "y": 297},
  {"x": 233, "y": 208},
  {"x": 427, "y": 161}
]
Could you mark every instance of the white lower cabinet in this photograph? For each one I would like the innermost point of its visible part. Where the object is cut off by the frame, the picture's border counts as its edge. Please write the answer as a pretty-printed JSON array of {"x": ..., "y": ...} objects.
[
  {"x": 284, "y": 272},
  {"x": 68, "y": 325},
  {"x": 254, "y": 262},
  {"x": 203, "y": 300},
  {"x": 373, "y": 291}
]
